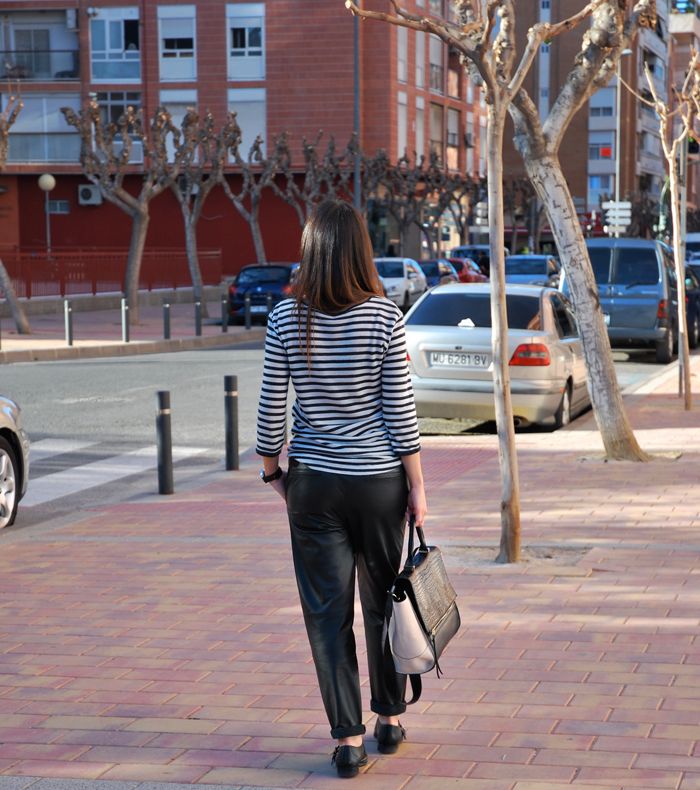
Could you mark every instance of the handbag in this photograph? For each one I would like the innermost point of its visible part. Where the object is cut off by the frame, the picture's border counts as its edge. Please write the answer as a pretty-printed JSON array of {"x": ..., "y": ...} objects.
[{"x": 421, "y": 612}]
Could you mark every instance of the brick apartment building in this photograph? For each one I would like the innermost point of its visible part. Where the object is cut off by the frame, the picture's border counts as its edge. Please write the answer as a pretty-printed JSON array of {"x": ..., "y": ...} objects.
[
  {"x": 281, "y": 64},
  {"x": 589, "y": 149}
]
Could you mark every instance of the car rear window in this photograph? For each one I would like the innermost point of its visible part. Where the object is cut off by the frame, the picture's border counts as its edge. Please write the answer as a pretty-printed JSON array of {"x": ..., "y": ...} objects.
[
  {"x": 637, "y": 266},
  {"x": 600, "y": 261},
  {"x": 264, "y": 274},
  {"x": 451, "y": 309},
  {"x": 430, "y": 268},
  {"x": 515, "y": 265},
  {"x": 390, "y": 268}
]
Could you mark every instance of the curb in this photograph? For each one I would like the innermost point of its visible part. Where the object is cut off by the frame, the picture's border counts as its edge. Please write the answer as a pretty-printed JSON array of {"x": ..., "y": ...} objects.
[{"x": 133, "y": 348}]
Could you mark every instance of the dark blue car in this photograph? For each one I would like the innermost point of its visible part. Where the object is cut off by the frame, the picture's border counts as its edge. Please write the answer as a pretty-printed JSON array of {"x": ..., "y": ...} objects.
[
  {"x": 274, "y": 280},
  {"x": 438, "y": 271}
]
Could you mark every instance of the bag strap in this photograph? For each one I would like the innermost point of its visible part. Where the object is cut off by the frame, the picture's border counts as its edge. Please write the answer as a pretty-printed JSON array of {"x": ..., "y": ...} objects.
[
  {"x": 412, "y": 530},
  {"x": 416, "y": 688}
]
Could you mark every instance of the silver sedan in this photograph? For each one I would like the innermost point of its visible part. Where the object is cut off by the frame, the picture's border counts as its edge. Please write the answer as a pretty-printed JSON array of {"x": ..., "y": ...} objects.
[
  {"x": 14, "y": 460},
  {"x": 449, "y": 346}
]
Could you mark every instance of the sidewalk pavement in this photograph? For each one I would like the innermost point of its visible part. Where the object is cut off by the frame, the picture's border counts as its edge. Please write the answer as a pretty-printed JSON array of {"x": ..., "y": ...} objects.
[
  {"x": 161, "y": 639},
  {"x": 98, "y": 333}
]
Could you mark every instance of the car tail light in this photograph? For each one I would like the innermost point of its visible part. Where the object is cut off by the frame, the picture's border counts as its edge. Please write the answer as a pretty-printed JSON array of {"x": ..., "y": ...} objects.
[
  {"x": 287, "y": 290},
  {"x": 662, "y": 312},
  {"x": 531, "y": 354},
  {"x": 232, "y": 290}
]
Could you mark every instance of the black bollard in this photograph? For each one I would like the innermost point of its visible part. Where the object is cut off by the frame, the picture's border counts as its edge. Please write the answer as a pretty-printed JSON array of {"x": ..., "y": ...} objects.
[
  {"x": 246, "y": 310},
  {"x": 231, "y": 421},
  {"x": 166, "y": 321},
  {"x": 68, "y": 317},
  {"x": 125, "y": 321},
  {"x": 198, "y": 319},
  {"x": 224, "y": 314},
  {"x": 165, "y": 444}
]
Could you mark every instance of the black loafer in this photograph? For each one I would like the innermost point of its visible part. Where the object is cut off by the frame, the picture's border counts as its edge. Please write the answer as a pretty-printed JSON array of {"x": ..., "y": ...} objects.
[
  {"x": 389, "y": 737},
  {"x": 348, "y": 760}
]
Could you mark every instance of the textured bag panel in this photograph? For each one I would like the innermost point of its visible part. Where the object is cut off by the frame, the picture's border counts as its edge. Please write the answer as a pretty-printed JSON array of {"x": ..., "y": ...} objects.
[
  {"x": 410, "y": 647},
  {"x": 428, "y": 585},
  {"x": 446, "y": 629}
]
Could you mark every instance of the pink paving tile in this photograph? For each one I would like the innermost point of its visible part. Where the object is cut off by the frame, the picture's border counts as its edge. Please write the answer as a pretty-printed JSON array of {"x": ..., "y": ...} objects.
[
  {"x": 225, "y": 758},
  {"x": 56, "y": 769},
  {"x": 145, "y": 772}
]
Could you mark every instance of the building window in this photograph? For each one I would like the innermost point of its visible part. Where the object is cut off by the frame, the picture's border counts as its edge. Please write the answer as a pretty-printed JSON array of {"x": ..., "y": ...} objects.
[
  {"x": 177, "y": 103},
  {"x": 420, "y": 59},
  {"x": 437, "y": 71},
  {"x": 40, "y": 133},
  {"x": 544, "y": 49},
  {"x": 453, "y": 139},
  {"x": 113, "y": 105},
  {"x": 250, "y": 107},
  {"x": 402, "y": 124},
  {"x": 601, "y": 112},
  {"x": 545, "y": 4},
  {"x": 435, "y": 7},
  {"x": 176, "y": 32},
  {"x": 402, "y": 50},
  {"x": 599, "y": 182},
  {"x": 115, "y": 45},
  {"x": 58, "y": 207},
  {"x": 437, "y": 142},
  {"x": 420, "y": 127},
  {"x": 246, "y": 41},
  {"x": 600, "y": 145}
]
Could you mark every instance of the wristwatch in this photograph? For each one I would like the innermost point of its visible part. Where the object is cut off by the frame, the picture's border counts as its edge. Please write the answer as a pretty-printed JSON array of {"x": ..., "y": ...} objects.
[{"x": 274, "y": 476}]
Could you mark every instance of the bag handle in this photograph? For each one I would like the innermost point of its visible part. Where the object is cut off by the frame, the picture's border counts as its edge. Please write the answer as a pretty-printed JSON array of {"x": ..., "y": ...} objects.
[{"x": 412, "y": 530}]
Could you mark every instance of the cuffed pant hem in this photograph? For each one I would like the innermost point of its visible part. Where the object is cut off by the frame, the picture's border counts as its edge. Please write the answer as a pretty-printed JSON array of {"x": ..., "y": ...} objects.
[
  {"x": 348, "y": 732},
  {"x": 387, "y": 710}
]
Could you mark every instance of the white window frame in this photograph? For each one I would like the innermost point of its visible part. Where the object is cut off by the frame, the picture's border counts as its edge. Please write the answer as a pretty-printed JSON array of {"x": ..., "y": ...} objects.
[
  {"x": 115, "y": 54},
  {"x": 420, "y": 59},
  {"x": 402, "y": 54},
  {"x": 420, "y": 127},
  {"x": 111, "y": 100},
  {"x": 181, "y": 57},
  {"x": 402, "y": 124},
  {"x": 239, "y": 96},
  {"x": 45, "y": 130},
  {"x": 246, "y": 15},
  {"x": 177, "y": 103}
]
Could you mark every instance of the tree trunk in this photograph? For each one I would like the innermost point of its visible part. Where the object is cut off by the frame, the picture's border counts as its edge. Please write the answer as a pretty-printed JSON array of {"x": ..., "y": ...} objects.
[
  {"x": 546, "y": 176},
  {"x": 193, "y": 259},
  {"x": 254, "y": 222},
  {"x": 139, "y": 229},
  {"x": 507, "y": 457},
  {"x": 679, "y": 265},
  {"x": 16, "y": 308}
]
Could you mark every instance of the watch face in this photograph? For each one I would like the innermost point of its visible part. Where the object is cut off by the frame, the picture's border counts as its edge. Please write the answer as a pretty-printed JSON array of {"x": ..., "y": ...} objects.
[{"x": 262, "y": 474}]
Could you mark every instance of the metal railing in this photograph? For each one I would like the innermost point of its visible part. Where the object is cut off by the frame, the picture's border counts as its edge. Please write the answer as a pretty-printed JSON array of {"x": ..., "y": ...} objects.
[
  {"x": 67, "y": 272},
  {"x": 44, "y": 65}
]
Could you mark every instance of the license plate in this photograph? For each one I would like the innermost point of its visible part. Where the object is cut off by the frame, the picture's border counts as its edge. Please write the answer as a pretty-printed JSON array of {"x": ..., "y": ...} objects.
[
  {"x": 458, "y": 359},
  {"x": 258, "y": 308},
  {"x": 606, "y": 318}
]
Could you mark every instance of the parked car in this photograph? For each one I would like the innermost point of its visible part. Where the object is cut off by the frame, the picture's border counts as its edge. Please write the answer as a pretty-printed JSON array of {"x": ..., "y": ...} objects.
[
  {"x": 403, "y": 280},
  {"x": 636, "y": 288},
  {"x": 438, "y": 271},
  {"x": 257, "y": 281},
  {"x": 481, "y": 253},
  {"x": 692, "y": 306},
  {"x": 694, "y": 263},
  {"x": 532, "y": 270},
  {"x": 468, "y": 271},
  {"x": 692, "y": 245},
  {"x": 14, "y": 460},
  {"x": 448, "y": 335}
]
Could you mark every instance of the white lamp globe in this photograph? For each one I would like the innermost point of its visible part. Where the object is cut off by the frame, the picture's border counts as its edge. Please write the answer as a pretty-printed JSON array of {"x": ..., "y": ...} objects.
[{"x": 46, "y": 182}]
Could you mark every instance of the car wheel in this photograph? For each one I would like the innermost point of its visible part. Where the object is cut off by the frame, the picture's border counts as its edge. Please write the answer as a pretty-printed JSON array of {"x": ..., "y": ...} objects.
[
  {"x": 694, "y": 332},
  {"x": 563, "y": 414},
  {"x": 9, "y": 483},
  {"x": 664, "y": 348}
]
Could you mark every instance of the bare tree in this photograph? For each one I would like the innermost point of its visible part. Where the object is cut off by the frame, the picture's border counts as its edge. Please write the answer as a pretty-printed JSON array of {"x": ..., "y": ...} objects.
[
  {"x": 258, "y": 172},
  {"x": 684, "y": 117},
  {"x": 7, "y": 117},
  {"x": 106, "y": 156},
  {"x": 201, "y": 152}
]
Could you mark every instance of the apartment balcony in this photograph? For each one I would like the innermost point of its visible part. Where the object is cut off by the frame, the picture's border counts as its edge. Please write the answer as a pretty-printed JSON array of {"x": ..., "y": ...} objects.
[
  {"x": 685, "y": 18},
  {"x": 40, "y": 65},
  {"x": 650, "y": 163}
]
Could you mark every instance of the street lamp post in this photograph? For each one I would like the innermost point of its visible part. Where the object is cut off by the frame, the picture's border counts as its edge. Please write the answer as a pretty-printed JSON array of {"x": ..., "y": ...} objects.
[
  {"x": 46, "y": 183},
  {"x": 618, "y": 124}
]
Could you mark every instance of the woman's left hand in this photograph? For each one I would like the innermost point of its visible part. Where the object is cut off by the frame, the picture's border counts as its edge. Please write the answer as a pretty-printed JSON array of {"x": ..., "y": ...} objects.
[{"x": 280, "y": 485}]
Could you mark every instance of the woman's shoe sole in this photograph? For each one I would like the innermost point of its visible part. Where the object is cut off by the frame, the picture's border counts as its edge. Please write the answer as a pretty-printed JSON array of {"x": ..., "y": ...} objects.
[{"x": 388, "y": 748}]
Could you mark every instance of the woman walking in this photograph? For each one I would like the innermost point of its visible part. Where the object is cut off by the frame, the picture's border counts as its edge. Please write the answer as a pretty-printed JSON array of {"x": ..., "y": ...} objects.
[{"x": 354, "y": 465}]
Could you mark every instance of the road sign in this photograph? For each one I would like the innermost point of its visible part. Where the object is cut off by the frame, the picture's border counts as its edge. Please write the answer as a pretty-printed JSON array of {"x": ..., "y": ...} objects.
[
  {"x": 610, "y": 229},
  {"x": 618, "y": 215},
  {"x": 623, "y": 204}
]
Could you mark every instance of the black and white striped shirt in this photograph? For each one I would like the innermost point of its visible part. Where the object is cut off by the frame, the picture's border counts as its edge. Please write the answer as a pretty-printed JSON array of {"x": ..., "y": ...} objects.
[{"x": 354, "y": 412}]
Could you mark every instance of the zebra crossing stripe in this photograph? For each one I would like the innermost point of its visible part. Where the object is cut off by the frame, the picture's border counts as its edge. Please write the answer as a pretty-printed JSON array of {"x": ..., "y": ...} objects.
[
  {"x": 79, "y": 478},
  {"x": 47, "y": 448}
]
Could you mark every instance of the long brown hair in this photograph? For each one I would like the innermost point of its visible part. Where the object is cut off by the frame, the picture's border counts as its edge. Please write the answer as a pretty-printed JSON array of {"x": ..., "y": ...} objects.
[{"x": 337, "y": 270}]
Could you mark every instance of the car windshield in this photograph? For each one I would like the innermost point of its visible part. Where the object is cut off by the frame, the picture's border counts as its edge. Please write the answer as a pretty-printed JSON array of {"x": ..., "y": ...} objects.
[
  {"x": 518, "y": 265},
  {"x": 259, "y": 275},
  {"x": 637, "y": 266},
  {"x": 430, "y": 268},
  {"x": 390, "y": 268},
  {"x": 467, "y": 310}
]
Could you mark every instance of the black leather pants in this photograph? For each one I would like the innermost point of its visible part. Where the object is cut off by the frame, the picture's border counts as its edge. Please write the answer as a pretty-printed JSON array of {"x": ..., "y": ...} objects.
[{"x": 340, "y": 522}]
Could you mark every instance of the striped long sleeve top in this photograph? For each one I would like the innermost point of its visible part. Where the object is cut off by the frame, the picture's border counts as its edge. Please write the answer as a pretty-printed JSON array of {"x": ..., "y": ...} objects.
[{"x": 354, "y": 411}]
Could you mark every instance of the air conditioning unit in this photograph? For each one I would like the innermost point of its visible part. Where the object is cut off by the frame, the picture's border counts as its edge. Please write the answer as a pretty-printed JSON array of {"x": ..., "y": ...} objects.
[
  {"x": 71, "y": 18},
  {"x": 89, "y": 195}
]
